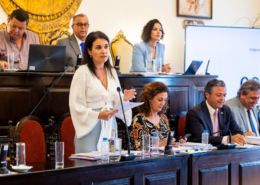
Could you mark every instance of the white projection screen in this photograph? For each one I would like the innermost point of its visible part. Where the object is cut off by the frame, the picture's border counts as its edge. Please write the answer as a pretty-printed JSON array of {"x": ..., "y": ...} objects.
[{"x": 234, "y": 53}]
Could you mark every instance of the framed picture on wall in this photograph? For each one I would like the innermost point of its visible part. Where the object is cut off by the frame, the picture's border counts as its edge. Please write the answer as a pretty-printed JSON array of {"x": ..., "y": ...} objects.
[{"x": 194, "y": 8}]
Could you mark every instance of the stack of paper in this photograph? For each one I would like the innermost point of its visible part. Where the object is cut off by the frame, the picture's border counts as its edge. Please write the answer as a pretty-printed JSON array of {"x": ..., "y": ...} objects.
[
  {"x": 132, "y": 152},
  {"x": 95, "y": 155},
  {"x": 92, "y": 156},
  {"x": 141, "y": 73},
  {"x": 194, "y": 145},
  {"x": 245, "y": 146},
  {"x": 252, "y": 140}
]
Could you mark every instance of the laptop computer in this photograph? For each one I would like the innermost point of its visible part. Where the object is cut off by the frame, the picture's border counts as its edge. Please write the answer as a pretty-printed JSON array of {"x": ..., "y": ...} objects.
[
  {"x": 193, "y": 68},
  {"x": 46, "y": 58}
]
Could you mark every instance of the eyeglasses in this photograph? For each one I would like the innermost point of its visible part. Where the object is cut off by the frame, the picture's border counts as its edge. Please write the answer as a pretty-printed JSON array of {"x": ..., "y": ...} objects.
[
  {"x": 81, "y": 25},
  {"x": 20, "y": 28}
]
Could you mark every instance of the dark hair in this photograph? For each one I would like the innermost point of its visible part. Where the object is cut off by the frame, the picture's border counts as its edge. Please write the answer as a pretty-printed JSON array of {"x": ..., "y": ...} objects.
[
  {"x": 250, "y": 85},
  {"x": 150, "y": 90},
  {"x": 146, "y": 34},
  {"x": 20, "y": 15},
  {"x": 88, "y": 45},
  {"x": 213, "y": 83}
]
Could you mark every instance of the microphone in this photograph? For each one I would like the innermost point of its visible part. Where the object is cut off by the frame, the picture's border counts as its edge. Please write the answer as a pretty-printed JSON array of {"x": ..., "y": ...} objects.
[
  {"x": 117, "y": 62},
  {"x": 168, "y": 147},
  {"x": 226, "y": 146},
  {"x": 3, "y": 155},
  {"x": 128, "y": 156},
  {"x": 206, "y": 72}
]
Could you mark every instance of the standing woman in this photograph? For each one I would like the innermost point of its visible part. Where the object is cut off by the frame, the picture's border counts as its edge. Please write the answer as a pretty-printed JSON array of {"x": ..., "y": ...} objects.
[
  {"x": 93, "y": 95},
  {"x": 149, "y": 47},
  {"x": 151, "y": 118}
]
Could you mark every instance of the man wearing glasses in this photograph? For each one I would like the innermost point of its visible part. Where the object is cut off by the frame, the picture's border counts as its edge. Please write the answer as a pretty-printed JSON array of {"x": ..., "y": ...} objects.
[
  {"x": 75, "y": 43},
  {"x": 17, "y": 39}
]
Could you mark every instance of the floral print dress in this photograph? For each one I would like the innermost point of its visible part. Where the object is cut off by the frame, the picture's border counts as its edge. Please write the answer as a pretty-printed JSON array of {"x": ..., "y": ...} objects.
[{"x": 141, "y": 126}]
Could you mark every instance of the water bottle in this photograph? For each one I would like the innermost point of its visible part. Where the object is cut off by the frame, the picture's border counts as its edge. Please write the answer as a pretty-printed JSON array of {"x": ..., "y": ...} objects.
[
  {"x": 114, "y": 133},
  {"x": 155, "y": 145},
  {"x": 205, "y": 138},
  {"x": 105, "y": 151}
]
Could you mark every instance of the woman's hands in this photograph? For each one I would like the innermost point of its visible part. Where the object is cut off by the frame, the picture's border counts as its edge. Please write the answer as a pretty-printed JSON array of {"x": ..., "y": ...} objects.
[
  {"x": 129, "y": 94},
  {"x": 183, "y": 140},
  {"x": 4, "y": 65},
  {"x": 106, "y": 114},
  {"x": 163, "y": 143},
  {"x": 166, "y": 68}
]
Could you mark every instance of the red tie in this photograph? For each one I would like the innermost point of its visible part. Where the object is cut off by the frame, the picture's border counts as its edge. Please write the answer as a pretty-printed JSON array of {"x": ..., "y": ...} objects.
[{"x": 216, "y": 123}]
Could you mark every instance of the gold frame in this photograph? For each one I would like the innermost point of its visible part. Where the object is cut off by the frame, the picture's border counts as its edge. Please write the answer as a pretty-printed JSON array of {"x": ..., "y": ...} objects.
[{"x": 193, "y": 9}]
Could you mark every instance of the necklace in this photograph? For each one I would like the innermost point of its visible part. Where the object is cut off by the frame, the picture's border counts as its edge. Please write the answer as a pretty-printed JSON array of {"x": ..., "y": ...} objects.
[{"x": 102, "y": 81}]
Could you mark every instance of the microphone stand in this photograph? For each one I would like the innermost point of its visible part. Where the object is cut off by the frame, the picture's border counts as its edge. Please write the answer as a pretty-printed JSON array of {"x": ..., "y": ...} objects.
[
  {"x": 168, "y": 147},
  {"x": 47, "y": 92},
  {"x": 128, "y": 156},
  {"x": 230, "y": 145}
]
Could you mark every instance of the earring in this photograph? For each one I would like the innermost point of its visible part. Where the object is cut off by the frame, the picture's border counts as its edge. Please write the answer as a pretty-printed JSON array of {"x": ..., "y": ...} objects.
[{"x": 90, "y": 56}]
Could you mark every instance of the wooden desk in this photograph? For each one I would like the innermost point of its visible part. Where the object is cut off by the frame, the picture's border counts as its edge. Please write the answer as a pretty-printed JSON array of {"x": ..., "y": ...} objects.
[
  {"x": 161, "y": 170},
  {"x": 226, "y": 167},
  {"x": 20, "y": 93}
]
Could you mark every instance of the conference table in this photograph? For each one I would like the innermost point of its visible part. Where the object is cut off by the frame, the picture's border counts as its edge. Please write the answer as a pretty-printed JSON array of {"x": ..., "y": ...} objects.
[
  {"x": 159, "y": 170},
  {"x": 216, "y": 167}
]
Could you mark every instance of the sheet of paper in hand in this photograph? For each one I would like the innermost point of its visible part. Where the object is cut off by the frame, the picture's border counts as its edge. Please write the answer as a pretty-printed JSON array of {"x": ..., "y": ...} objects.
[{"x": 127, "y": 106}]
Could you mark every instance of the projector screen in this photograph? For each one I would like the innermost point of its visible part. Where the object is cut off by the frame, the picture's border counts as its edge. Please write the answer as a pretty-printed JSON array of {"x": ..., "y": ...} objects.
[{"x": 234, "y": 53}]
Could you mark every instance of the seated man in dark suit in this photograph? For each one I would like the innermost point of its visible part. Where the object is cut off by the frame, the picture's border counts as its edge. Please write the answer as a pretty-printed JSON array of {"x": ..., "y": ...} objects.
[
  {"x": 213, "y": 116},
  {"x": 243, "y": 107}
]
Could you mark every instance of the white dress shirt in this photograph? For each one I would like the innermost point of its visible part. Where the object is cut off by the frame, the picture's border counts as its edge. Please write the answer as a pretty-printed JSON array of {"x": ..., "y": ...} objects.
[
  {"x": 87, "y": 93},
  {"x": 212, "y": 117},
  {"x": 79, "y": 42},
  {"x": 254, "y": 121}
]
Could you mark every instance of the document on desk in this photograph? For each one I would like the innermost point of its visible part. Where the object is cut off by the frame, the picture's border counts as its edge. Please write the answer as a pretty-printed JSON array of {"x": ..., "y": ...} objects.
[
  {"x": 127, "y": 106},
  {"x": 246, "y": 146},
  {"x": 141, "y": 73},
  {"x": 252, "y": 140}
]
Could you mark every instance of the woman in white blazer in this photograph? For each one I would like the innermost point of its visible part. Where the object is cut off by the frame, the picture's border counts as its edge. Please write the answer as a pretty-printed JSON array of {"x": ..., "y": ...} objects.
[
  {"x": 93, "y": 96},
  {"x": 149, "y": 47}
]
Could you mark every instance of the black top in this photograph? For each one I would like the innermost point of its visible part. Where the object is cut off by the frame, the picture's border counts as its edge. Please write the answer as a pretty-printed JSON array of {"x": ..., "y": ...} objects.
[{"x": 141, "y": 126}]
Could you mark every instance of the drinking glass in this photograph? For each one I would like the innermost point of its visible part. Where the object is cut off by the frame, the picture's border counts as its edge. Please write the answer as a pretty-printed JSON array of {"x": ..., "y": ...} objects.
[
  {"x": 115, "y": 147},
  {"x": 20, "y": 154},
  {"x": 59, "y": 154},
  {"x": 150, "y": 65},
  {"x": 158, "y": 63},
  {"x": 10, "y": 60},
  {"x": 146, "y": 144}
]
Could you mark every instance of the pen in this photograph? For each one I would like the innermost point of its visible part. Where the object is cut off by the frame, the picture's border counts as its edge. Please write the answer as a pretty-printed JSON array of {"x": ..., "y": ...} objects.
[
  {"x": 164, "y": 66},
  {"x": 194, "y": 150}
]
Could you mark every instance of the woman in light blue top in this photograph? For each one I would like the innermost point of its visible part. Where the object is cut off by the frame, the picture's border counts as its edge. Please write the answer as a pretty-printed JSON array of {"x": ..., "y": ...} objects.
[{"x": 152, "y": 34}]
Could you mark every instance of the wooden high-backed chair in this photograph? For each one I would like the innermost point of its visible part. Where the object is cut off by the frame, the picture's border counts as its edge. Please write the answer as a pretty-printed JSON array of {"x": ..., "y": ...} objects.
[
  {"x": 66, "y": 132},
  {"x": 57, "y": 35},
  {"x": 2, "y": 26},
  {"x": 31, "y": 131},
  {"x": 181, "y": 120},
  {"x": 120, "y": 46}
]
